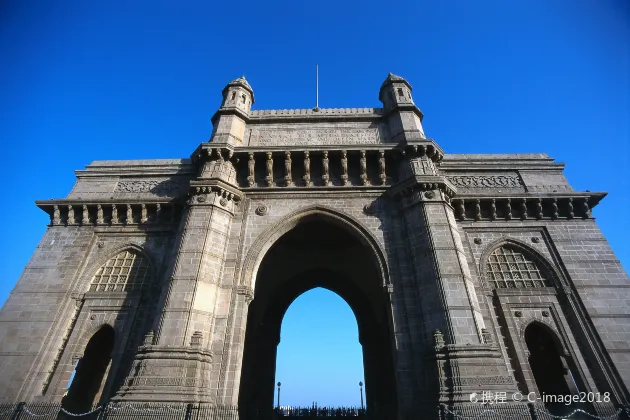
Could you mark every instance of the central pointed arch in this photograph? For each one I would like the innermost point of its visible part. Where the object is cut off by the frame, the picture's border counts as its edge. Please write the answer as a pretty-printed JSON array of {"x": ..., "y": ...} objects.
[
  {"x": 316, "y": 247},
  {"x": 265, "y": 240}
]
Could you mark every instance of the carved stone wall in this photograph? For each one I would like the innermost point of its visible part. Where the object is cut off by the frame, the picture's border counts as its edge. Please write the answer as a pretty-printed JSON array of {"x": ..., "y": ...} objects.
[
  {"x": 480, "y": 182},
  {"x": 428, "y": 219},
  {"x": 315, "y": 135}
]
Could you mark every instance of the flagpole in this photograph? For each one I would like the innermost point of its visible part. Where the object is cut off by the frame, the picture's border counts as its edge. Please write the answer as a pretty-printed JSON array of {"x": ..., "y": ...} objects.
[{"x": 317, "y": 87}]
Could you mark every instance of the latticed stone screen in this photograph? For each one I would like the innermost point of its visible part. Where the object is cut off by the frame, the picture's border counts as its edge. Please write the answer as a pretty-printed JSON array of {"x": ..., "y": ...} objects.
[
  {"x": 127, "y": 271},
  {"x": 509, "y": 268}
]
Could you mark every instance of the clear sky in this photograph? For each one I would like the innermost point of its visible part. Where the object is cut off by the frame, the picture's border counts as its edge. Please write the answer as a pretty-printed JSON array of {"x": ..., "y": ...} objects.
[{"x": 86, "y": 80}]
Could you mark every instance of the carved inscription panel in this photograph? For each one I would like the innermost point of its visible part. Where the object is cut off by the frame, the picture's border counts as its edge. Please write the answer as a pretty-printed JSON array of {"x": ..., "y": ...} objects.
[{"x": 313, "y": 136}]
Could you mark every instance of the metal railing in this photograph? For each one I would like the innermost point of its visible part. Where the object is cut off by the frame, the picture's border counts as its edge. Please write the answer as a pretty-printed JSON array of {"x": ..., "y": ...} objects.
[{"x": 153, "y": 411}]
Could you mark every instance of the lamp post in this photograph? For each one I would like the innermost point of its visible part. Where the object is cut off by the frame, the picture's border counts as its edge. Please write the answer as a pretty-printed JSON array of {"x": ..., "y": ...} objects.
[
  {"x": 361, "y": 392},
  {"x": 279, "y": 395}
]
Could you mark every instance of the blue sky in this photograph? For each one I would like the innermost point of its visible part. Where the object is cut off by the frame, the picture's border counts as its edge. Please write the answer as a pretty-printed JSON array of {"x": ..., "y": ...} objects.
[{"x": 87, "y": 80}]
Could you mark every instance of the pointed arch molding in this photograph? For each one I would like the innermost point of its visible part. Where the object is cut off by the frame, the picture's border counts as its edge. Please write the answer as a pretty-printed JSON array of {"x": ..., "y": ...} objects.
[
  {"x": 265, "y": 240},
  {"x": 558, "y": 336},
  {"x": 99, "y": 260},
  {"x": 557, "y": 280}
]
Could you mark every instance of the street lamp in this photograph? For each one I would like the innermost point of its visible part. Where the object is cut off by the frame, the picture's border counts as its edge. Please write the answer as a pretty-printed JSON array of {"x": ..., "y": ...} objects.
[
  {"x": 279, "y": 395},
  {"x": 361, "y": 391}
]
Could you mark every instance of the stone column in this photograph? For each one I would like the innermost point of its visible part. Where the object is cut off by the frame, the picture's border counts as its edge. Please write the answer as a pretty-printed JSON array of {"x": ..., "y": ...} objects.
[
  {"x": 446, "y": 294},
  {"x": 449, "y": 300},
  {"x": 177, "y": 365}
]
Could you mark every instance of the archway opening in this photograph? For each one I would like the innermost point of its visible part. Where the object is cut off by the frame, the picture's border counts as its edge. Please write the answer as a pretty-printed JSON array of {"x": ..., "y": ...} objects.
[
  {"x": 549, "y": 369},
  {"x": 318, "y": 252},
  {"x": 320, "y": 359},
  {"x": 90, "y": 371}
]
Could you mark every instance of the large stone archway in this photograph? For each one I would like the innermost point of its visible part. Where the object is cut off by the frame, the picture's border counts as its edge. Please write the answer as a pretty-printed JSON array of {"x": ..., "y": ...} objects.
[{"x": 317, "y": 252}]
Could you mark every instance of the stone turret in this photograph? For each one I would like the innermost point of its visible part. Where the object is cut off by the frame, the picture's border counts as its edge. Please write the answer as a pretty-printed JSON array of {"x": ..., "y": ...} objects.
[
  {"x": 404, "y": 117},
  {"x": 230, "y": 120}
]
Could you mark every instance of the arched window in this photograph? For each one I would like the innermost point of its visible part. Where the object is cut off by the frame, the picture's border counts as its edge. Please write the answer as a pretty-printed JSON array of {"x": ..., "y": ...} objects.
[
  {"x": 126, "y": 272},
  {"x": 509, "y": 268}
]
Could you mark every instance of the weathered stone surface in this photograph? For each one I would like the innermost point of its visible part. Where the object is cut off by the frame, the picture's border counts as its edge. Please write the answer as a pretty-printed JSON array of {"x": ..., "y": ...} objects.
[{"x": 280, "y": 201}]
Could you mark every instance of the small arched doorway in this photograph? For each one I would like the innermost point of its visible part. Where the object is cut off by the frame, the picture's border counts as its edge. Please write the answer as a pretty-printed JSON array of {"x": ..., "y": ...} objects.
[
  {"x": 90, "y": 371},
  {"x": 318, "y": 252},
  {"x": 550, "y": 371}
]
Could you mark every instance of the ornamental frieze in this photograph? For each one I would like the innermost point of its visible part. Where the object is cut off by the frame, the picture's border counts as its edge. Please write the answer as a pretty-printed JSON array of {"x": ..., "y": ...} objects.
[
  {"x": 311, "y": 137},
  {"x": 151, "y": 186},
  {"x": 486, "y": 181}
]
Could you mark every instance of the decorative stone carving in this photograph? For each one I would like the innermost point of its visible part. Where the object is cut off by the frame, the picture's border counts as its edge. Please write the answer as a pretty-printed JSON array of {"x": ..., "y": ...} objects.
[
  {"x": 325, "y": 169},
  {"x": 486, "y": 380},
  {"x": 462, "y": 210},
  {"x": 438, "y": 339},
  {"x": 115, "y": 220},
  {"x": 524, "y": 208},
  {"x": 56, "y": 219},
  {"x": 99, "y": 215},
  {"x": 223, "y": 201},
  {"x": 269, "y": 169},
  {"x": 262, "y": 210},
  {"x": 129, "y": 219},
  {"x": 493, "y": 210},
  {"x": 429, "y": 194},
  {"x": 307, "y": 169},
  {"x": 545, "y": 313},
  {"x": 201, "y": 198},
  {"x": 363, "y": 165},
  {"x": 165, "y": 187},
  {"x": 85, "y": 219},
  {"x": 539, "y": 209},
  {"x": 288, "y": 178},
  {"x": 148, "y": 338},
  {"x": 477, "y": 241},
  {"x": 143, "y": 214},
  {"x": 195, "y": 340},
  {"x": 570, "y": 209},
  {"x": 251, "y": 167},
  {"x": 344, "y": 167},
  {"x": 554, "y": 207},
  {"x": 478, "y": 210},
  {"x": 310, "y": 137},
  {"x": 535, "y": 239},
  {"x": 518, "y": 314},
  {"x": 587, "y": 210},
  {"x": 508, "y": 209},
  {"x": 486, "y": 181},
  {"x": 158, "y": 212},
  {"x": 71, "y": 220},
  {"x": 381, "y": 167}
]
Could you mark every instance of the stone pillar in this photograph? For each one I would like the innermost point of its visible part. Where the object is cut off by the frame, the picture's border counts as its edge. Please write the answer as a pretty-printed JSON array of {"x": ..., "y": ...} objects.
[
  {"x": 178, "y": 364},
  {"x": 462, "y": 361},
  {"x": 449, "y": 300}
]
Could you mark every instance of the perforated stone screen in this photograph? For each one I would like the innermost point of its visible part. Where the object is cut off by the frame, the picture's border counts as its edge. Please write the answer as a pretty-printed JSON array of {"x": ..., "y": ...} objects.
[
  {"x": 511, "y": 269},
  {"x": 127, "y": 271}
]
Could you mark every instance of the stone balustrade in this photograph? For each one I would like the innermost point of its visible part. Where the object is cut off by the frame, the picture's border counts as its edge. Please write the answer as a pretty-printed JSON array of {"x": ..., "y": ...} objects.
[{"x": 77, "y": 213}]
